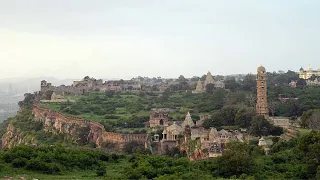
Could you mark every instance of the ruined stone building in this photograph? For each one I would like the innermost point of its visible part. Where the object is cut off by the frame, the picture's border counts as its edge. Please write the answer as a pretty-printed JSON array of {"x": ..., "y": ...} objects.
[
  {"x": 315, "y": 82},
  {"x": 262, "y": 101},
  {"x": 121, "y": 86},
  {"x": 131, "y": 87},
  {"x": 201, "y": 86},
  {"x": 213, "y": 141},
  {"x": 86, "y": 85},
  {"x": 202, "y": 119},
  {"x": 293, "y": 84},
  {"x": 172, "y": 132},
  {"x": 49, "y": 92},
  {"x": 158, "y": 119},
  {"x": 77, "y": 88},
  {"x": 111, "y": 86},
  {"x": 88, "y": 82}
]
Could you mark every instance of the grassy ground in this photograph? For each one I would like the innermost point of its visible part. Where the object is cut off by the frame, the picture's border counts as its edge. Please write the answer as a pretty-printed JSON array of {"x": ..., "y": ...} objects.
[{"x": 303, "y": 131}]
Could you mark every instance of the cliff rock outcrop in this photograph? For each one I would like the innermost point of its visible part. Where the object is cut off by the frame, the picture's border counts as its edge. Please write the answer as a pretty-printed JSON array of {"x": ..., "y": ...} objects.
[
  {"x": 75, "y": 126},
  {"x": 13, "y": 137}
]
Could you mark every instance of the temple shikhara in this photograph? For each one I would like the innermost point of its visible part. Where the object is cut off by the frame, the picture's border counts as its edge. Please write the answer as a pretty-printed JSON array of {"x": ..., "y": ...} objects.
[
  {"x": 201, "y": 86},
  {"x": 262, "y": 101}
]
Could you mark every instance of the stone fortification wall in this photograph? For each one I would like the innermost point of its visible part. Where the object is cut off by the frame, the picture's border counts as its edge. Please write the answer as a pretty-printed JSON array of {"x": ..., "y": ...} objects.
[
  {"x": 64, "y": 89},
  {"x": 69, "y": 125}
]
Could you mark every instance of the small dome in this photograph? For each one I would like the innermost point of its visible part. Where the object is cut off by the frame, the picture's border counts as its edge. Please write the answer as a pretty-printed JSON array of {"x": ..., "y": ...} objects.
[
  {"x": 261, "y": 68},
  {"x": 301, "y": 69}
]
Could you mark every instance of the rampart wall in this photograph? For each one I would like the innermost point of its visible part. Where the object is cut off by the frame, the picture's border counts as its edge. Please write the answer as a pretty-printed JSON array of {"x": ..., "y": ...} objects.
[
  {"x": 69, "y": 124},
  {"x": 64, "y": 89}
]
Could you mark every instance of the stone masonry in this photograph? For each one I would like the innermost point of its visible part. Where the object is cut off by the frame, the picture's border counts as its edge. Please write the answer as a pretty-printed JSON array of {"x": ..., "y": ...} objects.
[{"x": 68, "y": 125}]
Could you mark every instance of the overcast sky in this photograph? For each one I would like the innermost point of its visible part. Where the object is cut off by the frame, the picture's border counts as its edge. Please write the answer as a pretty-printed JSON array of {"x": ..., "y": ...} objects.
[{"x": 127, "y": 38}]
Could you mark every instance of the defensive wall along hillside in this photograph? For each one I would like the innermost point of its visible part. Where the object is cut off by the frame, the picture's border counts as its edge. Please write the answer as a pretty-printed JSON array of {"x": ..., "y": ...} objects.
[{"x": 70, "y": 124}]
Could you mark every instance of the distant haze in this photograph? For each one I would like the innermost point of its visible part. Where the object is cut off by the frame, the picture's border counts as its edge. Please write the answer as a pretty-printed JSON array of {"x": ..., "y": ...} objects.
[{"x": 126, "y": 38}]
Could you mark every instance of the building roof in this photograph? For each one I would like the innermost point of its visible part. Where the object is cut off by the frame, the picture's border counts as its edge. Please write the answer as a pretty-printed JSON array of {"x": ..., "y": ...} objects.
[
  {"x": 261, "y": 68},
  {"x": 173, "y": 127},
  {"x": 188, "y": 121}
]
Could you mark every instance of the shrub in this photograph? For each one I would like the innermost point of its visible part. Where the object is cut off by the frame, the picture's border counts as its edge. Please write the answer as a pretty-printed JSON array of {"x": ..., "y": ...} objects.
[
  {"x": 9, "y": 157},
  {"x": 19, "y": 162},
  {"x": 92, "y": 145},
  {"x": 129, "y": 147},
  {"x": 111, "y": 117},
  {"x": 104, "y": 157},
  {"x": 53, "y": 168},
  {"x": 108, "y": 145},
  {"x": 101, "y": 171},
  {"x": 36, "y": 165}
]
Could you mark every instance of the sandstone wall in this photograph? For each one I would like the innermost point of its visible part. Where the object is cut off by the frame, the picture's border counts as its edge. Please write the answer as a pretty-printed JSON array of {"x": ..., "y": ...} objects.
[
  {"x": 64, "y": 89},
  {"x": 69, "y": 124}
]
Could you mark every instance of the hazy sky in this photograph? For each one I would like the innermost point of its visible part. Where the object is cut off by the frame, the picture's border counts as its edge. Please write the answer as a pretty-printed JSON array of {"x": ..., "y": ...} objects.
[{"x": 127, "y": 38}]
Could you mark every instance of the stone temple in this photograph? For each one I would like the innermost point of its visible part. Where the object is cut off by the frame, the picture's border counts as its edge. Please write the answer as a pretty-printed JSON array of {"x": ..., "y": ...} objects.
[
  {"x": 262, "y": 99},
  {"x": 201, "y": 86}
]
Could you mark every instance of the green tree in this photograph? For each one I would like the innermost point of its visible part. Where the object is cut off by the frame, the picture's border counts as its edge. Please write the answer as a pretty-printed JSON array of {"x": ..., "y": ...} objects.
[
  {"x": 301, "y": 82},
  {"x": 209, "y": 88},
  {"x": 249, "y": 83},
  {"x": 181, "y": 78},
  {"x": 244, "y": 117},
  {"x": 261, "y": 127},
  {"x": 195, "y": 78},
  {"x": 304, "y": 118},
  {"x": 232, "y": 85},
  {"x": 131, "y": 146},
  {"x": 235, "y": 160}
]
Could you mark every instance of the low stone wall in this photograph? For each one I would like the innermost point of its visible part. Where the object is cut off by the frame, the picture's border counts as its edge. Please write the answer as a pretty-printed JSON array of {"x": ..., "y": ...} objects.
[
  {"x": 97, "y": 134},
  {"x": 281, "y": 122}
]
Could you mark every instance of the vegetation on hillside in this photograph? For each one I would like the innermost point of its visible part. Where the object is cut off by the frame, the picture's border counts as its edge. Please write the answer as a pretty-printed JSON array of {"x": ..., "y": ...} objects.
[
  {"x": 294, "y": 159},
  {"x": 297, "y": 158},
  {"x": 128, "y": 112}
]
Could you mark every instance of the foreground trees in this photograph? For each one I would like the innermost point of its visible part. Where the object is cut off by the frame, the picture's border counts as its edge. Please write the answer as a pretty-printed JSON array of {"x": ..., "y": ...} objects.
[{"x": 294, "y": 159}]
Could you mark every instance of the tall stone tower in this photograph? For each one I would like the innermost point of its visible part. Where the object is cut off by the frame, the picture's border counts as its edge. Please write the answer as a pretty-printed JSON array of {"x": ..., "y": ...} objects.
[{"x": 262, "y": 101}]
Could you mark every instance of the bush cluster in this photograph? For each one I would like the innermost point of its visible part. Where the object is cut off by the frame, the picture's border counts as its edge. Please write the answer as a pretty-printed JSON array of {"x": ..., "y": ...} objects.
[{"x": 55, "y": 159}]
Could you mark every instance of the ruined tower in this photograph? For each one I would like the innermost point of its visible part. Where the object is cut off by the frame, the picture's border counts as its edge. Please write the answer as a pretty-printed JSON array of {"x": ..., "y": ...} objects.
[
  {"x": 262, "y": 102},
  {"x": 44, "y": 85}
]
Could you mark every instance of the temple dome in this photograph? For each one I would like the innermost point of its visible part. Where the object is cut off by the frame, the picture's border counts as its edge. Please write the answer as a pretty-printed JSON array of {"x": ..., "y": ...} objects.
[{"x": 261, "y": 69}]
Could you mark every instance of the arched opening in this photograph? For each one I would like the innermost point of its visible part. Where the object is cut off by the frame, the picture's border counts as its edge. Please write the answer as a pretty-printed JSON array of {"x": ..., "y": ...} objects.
[{"x": 161, "y": 122}]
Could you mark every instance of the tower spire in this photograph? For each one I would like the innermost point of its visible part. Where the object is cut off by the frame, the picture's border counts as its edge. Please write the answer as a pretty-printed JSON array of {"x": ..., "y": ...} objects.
[{"x": 262, "y": 101}]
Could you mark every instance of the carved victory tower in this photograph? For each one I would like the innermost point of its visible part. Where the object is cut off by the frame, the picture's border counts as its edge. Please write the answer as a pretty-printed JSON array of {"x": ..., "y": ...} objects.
[{"x": 262, "y": 101}]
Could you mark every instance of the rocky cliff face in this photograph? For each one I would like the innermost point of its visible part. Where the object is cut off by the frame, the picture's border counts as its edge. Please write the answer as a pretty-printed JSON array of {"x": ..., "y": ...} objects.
[
  {"x": 83, "y": 129},
  {"x": 14, "y": 137}
]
